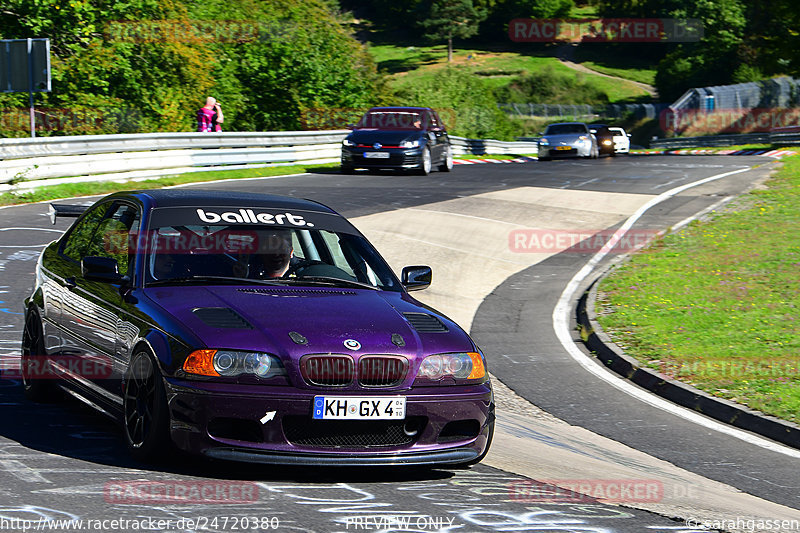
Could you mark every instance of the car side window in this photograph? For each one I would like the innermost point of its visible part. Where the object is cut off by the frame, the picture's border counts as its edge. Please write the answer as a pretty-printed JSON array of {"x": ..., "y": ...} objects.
[
  {"x": 80, "y": 237},
  {"x": 105, "y": 231},
  {"x": 115, "y": 234},
  {"x": 439, "y": 120}
]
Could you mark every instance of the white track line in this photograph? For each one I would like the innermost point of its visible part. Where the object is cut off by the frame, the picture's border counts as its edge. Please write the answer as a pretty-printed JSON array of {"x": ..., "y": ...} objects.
[{"x": 561, "y": 325}]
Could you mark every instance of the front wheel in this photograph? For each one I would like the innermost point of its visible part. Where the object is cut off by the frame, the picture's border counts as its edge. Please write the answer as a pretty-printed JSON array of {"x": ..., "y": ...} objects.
[
  {"x": 425, "y": 165},
  {"x": 37, "y": 380},
  {"x": 144, "y": 404},
  {"x": 447, "y": 164}
]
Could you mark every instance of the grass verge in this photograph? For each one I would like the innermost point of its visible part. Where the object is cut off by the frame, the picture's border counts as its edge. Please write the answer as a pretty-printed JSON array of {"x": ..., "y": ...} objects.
[
  {"x": 413, "y": 64},
  {"x": 71, "y": 190},
  {"x": 716, "y": 305}
]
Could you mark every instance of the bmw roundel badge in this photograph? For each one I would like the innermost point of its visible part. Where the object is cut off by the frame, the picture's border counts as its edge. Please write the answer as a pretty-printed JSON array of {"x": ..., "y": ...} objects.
[
  {"x": 377, "y": 146},
  {"x": 352, "y": 344}
]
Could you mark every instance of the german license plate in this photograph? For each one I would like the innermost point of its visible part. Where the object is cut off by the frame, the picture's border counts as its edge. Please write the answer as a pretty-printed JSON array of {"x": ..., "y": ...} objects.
[
  {"x": 376, "y": 155},
  {"x": 359, "y": 407},
  {"x": 563, "y": 147}
]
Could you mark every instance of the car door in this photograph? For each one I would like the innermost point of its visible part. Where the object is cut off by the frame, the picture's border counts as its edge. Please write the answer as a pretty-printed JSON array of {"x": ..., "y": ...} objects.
[
  {"x": 437, "y": 136},
  {"x": 92, "y": 310}
]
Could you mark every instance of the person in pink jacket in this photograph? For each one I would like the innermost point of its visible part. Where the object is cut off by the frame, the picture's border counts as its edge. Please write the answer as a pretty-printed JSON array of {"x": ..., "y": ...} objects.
[{"x": 209, "y": 117}]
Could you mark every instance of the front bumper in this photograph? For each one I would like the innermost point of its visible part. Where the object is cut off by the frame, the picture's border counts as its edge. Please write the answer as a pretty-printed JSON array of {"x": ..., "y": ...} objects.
[
  {"x": 399, "y": 158},
  {"x": 444, "y": 424},
  {"x": 622, "y": 148},
  {"x": 572, "y": 150}
]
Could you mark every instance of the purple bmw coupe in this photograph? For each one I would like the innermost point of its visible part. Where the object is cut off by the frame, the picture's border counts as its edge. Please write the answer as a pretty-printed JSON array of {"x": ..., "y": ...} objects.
[{"x": 251, "y": 328}]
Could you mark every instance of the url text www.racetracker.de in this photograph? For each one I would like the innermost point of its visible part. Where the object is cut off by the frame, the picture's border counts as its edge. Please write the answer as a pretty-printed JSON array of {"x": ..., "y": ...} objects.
[
  {"x": 199, "y": 523},
  {"x": 744, "y": 524}
]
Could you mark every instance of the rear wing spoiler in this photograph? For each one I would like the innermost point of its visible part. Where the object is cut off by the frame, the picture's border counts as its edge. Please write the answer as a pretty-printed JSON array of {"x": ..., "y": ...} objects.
[{"x": 66, "y": 210}]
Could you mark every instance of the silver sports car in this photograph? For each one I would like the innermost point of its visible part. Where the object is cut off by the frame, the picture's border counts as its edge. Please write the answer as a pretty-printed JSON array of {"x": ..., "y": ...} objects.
[{"x": 567, "y": 139}]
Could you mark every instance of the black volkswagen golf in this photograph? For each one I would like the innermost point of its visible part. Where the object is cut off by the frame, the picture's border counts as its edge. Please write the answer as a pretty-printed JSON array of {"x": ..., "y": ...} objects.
[{"x": 401, "y": 138}]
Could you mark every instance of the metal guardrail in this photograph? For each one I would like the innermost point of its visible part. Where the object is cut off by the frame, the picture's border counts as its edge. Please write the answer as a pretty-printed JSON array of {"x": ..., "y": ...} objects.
[
  {"x": 785, "y": 138},
  {"x": 107, "y": 157},
  {"x": 586, "y": 112},
  {"x": 711, "y": 140},
  {"x": 103, "y": 144},
  {"x": 777, "y": 138},
  {"x": 462, "y": 146}
]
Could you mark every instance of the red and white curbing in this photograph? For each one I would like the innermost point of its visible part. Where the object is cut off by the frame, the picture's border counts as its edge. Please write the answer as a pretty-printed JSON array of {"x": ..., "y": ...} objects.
[{"x": 478, "y": 161}]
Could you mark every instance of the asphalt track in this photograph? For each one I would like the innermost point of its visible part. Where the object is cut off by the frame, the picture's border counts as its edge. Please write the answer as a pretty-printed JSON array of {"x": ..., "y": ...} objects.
[{"x": 56, "y": 460}]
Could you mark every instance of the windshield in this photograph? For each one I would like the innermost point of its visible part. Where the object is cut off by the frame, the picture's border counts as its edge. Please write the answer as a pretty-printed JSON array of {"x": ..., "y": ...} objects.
[
  {"x": 262, "y": 254},
  {"x": 392, "y": 120},
  {"x": 565, "y": 129}
]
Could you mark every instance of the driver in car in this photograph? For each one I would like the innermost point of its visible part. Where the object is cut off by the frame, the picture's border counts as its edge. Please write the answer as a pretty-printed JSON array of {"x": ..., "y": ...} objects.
[{"x": 273, "y": 256}]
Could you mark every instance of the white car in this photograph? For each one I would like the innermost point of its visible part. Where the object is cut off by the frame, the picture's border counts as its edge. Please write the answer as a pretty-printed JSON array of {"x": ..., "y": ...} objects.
[{"x": 622, "y": 140}]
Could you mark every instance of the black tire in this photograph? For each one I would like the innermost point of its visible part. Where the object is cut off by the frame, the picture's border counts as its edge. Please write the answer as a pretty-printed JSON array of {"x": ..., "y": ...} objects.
[
  {"x": 37, "y": 382},
  {"x": 447, "y": 163},
  {"x": 145, "y": 411},
  {"x": 347, "y": 170},
  {"x": 544, "y": 159},
  {"x": 425, "y": 165}
]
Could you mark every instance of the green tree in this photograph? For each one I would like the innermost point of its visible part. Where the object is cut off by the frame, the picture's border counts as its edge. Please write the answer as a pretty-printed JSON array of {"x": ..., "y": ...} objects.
[
  {"x": 714, "y": 59},
  {"x": 451, "y": 19},
  {"x": 148, "y": 65},
  {"x": 464, "y": 102}
]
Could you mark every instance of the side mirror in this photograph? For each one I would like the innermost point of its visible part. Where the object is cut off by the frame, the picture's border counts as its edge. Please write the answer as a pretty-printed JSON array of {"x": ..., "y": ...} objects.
[
  {"x": 628, "y": 134},
  {"x": 416, "y": 278},
  {"x": 102, "y": 269},
  {"x": 592, "y": 131}
]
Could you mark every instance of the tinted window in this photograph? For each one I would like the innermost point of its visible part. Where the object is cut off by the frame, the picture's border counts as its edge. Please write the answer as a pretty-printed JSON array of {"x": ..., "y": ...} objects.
[
  {"x": 115, "y": 234},
  {"x": 283, "y": 255},
  {"x": 565, "y": 129},
  {"x": 393, "y": 120},
  {"x": 105, "y": 231},
  {"x": 80, "y": 236}
]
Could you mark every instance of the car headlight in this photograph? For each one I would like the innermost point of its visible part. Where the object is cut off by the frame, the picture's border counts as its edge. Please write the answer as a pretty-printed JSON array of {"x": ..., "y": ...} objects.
[
  {"x": 462, "y": 365},
  {"x": 410, "y": 144},
  {"x": 348, "y": 142},
  {"x": 231, "y": 363},
  {"x": 606, "y": 142},
  {"x": 583, "y": 138},
  {"x": 544, "y": 140}
]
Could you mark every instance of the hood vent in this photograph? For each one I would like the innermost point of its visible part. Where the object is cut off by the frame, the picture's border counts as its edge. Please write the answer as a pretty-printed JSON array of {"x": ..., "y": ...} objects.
[
  {"x": 221, "y": 317},
  {"x": 425, "y": 323},
  {"x": 297, "y": 292}
]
